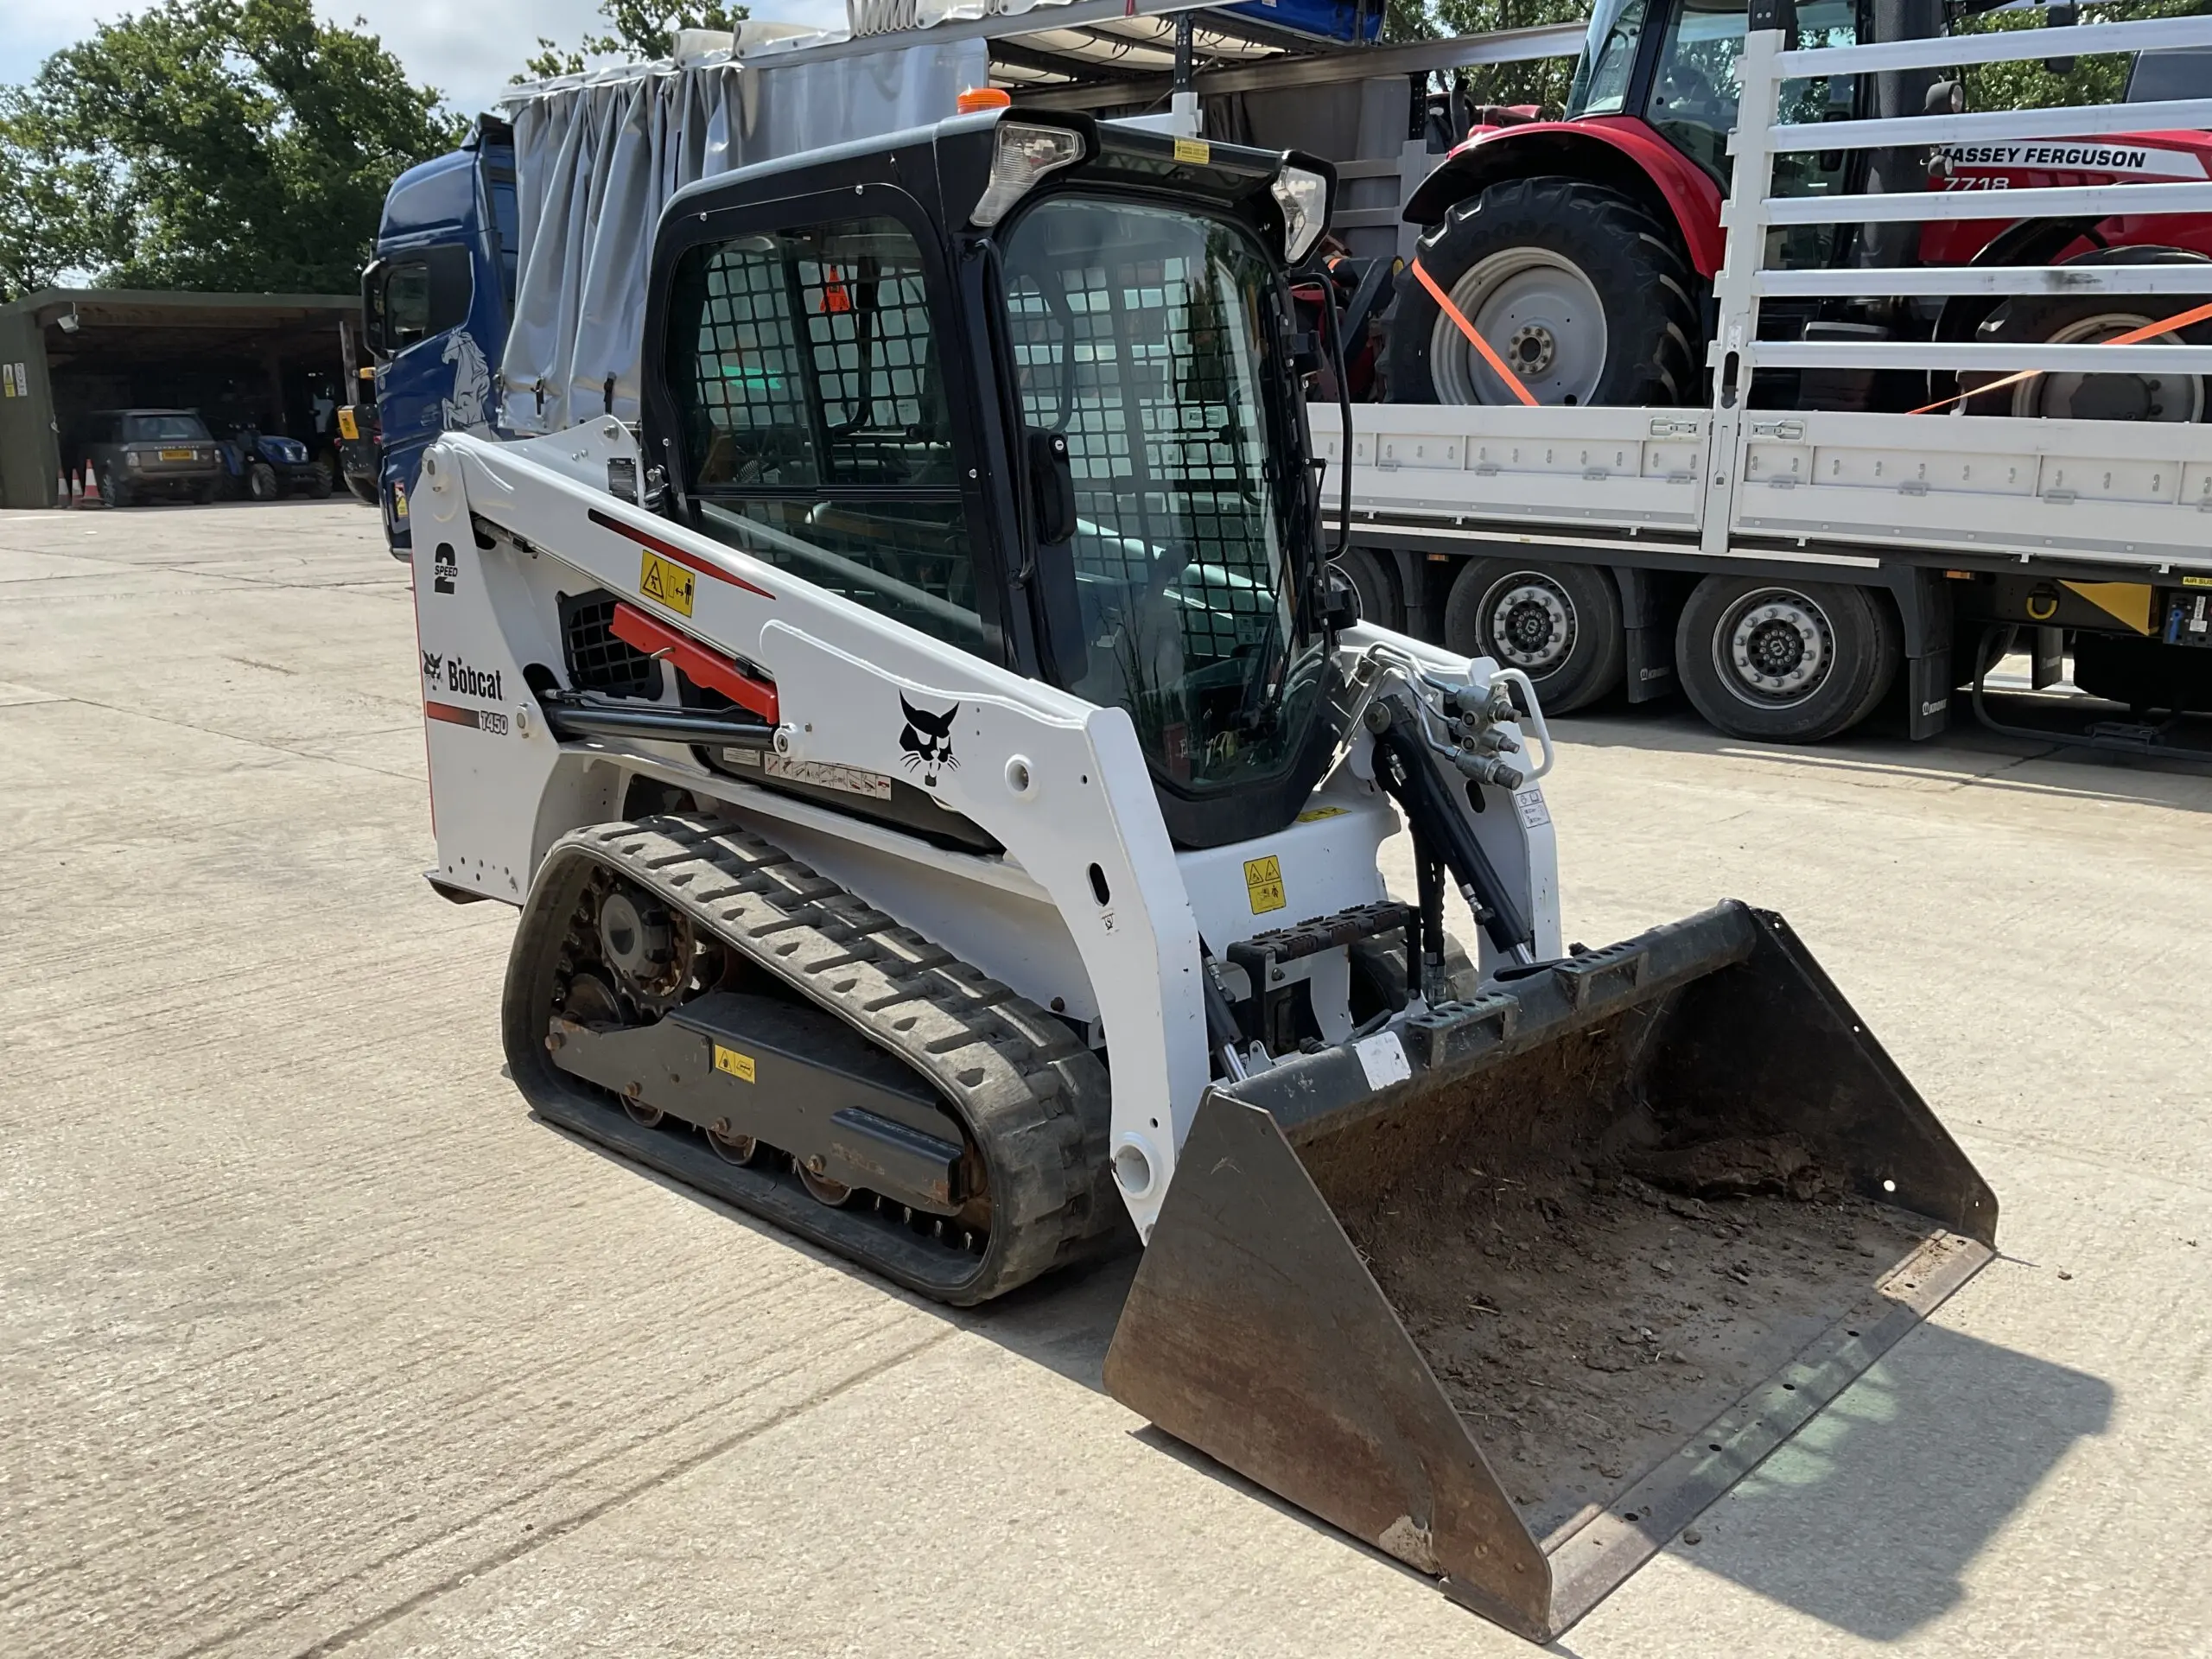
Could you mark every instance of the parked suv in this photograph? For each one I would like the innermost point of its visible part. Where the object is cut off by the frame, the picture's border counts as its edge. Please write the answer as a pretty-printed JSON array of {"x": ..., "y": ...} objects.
[{"x": 138, "y": 452}]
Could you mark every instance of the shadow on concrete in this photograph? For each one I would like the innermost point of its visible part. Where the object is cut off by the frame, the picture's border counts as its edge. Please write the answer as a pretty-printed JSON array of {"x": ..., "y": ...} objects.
[
  {"x": 1868, "y": 1516},
  {"x": 1062, "y": 1322},
  {"x": 1967, "y": 756}
]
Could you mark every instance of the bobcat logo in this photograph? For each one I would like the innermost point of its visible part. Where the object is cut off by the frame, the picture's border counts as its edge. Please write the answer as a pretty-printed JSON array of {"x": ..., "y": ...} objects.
[
  {"x": 433, "y": 663},
  {"x": 927, "y": 741},
  {"x": 471, "y": 382}
]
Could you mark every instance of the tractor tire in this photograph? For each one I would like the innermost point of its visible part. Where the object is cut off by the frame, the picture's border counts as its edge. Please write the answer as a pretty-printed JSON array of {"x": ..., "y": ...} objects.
[
  {"x": 1374, "y": 579},
  {"x": 261, "y": 482},
  {"x": 363, "y": 490},
  {"x": 2087, "y": 319},
  {"x": 1786, "y": 662},
  {"x": 319, "y": 484},
  {"x": 1576, "y": 287},
  {"x": 1559, "y": 623}
]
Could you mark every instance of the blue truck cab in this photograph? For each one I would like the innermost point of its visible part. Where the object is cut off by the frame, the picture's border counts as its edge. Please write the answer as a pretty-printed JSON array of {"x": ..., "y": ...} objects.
[{"x": 435, "y": 303}]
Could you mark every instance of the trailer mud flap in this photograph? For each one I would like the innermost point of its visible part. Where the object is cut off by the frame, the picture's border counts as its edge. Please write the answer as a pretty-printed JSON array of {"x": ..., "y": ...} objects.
[{"x": 1600, "y": 1241}]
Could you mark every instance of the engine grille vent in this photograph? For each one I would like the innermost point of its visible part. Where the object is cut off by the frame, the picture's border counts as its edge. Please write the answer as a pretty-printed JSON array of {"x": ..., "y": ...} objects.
[{"x": 597, "y": 661}]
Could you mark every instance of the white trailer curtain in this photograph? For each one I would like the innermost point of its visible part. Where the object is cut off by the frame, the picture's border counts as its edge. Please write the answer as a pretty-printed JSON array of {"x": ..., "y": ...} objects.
[{"x": 596, "y": 161}]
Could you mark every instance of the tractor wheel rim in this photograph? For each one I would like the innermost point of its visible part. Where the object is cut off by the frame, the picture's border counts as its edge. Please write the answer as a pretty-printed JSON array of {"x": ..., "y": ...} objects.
[
  {"x": 1774, "y": 648},
  {"x": 1529, "y": 622},
  {"x": 1537, "y": 311},
  {"x": 2176, "y": 399}
]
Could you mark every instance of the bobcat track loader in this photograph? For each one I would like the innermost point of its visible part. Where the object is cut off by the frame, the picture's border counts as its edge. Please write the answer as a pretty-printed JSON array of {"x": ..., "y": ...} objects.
[{"x": 943, "y": 789}]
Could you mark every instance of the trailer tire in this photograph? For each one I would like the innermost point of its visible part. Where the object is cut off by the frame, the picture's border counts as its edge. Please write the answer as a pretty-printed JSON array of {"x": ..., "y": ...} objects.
[
  {"x": 1375, "y": 584},
  {"x": 1524, "y": 260},
  {"x": 1786, "y": 662},
  {"x": 1559, "y": 623}
]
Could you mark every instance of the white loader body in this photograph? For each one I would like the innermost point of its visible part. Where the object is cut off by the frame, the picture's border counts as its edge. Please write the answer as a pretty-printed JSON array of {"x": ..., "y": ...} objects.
[{"x": 1090, "y": 911}]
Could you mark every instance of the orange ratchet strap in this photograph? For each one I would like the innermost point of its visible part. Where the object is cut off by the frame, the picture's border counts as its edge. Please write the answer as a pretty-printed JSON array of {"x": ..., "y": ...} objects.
[
  {"x": 2133, "y": 337},
  {"x": 1482, "y": 346}
]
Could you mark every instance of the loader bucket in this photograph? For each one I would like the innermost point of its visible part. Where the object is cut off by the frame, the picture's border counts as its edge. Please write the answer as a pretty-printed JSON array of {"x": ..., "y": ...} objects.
[{"x": 1515, "y": 1294}]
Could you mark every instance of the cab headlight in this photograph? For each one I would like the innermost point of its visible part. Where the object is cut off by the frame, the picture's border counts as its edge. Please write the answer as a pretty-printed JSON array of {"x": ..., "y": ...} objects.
[
  {"x": 1304, "y": 197},
  {"x": 133, "y": 459},
  {"x": 1025, "y": 153}
]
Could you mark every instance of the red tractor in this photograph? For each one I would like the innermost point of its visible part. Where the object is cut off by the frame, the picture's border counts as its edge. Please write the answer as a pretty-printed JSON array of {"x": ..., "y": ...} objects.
[{"x": 1582, "y": 250}]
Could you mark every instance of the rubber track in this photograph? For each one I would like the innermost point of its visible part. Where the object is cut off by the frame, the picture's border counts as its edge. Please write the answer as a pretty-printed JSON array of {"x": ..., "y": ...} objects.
[{"x": 1035, "y": 1100}]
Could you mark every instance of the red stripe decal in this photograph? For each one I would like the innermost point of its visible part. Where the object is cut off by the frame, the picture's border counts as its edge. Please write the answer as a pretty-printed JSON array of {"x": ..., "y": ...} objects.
[
  {"x": 456, "y": 714},
  {"x": 668, "y": 549},
  {"x": 708, "y": 667}
]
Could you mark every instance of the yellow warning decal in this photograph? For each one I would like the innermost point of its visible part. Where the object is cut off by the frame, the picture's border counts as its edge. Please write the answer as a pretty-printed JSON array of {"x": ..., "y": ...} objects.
[
  {"x": 398, "y": 500},
  {"x": 348, "y": 428},
  {"x": 1263, "y": 881},
  {"x": 2196, "y": 581},
  {"x": 665, "y": 583},
  {"x": 1196, "y": 152},
  {"x": 2126, "y": 601},
  {"x": 738, "y": 1066},
  {"x": 1314, "y": 815}
]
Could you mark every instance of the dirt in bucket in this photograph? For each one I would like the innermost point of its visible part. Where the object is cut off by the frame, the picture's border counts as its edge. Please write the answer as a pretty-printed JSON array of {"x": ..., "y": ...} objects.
[{"x": 1591, "y": 1279}]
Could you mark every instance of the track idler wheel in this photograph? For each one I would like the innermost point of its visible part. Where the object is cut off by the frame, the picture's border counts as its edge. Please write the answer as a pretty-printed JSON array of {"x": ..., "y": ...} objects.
[
  {"x": 820, "y": 1187},
  {"x": 643, "y": 1116},
  {"x": 729, "y": 1146}
]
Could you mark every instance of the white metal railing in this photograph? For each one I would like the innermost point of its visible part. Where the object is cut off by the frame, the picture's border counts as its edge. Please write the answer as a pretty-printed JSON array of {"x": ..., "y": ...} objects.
[
  {"x": 1833, "y": 485},
  {"x": 1744, "y": 455},
  {"x": 2007, "y": 46},
  {"x": 1750, "y": 212}
]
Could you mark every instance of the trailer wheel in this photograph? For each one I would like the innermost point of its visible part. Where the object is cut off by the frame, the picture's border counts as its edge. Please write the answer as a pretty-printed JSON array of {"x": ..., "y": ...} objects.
[
  {"x": 1786, "y": 662},
  {"x": 1375, "y": 584},
  {"x": 1559, "y": 623},
  {"x": 1579, "y": 289}
]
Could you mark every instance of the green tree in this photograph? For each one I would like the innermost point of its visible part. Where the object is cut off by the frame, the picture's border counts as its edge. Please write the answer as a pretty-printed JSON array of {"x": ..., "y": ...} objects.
[
  {"x": 637, "y": 30},
  {"x": 1541, "y": 81},
  {"x": 227, "y": 144},
  {"x": 2028, "y": 85}
]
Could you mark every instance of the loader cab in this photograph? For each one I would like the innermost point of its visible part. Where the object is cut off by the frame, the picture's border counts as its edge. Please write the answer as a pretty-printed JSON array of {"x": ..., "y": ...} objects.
[
  {"x": 1028, "y": 384},
  {"x": 435, "y": 303}
]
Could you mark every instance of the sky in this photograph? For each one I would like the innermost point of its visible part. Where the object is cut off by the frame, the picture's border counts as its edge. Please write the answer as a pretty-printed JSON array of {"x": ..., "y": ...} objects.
[{"x": 468, "y": 51}]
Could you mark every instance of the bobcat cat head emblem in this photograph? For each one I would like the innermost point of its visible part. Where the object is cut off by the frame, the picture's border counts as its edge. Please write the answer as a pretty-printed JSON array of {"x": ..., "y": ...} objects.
[{"x": 927, "y": 741}]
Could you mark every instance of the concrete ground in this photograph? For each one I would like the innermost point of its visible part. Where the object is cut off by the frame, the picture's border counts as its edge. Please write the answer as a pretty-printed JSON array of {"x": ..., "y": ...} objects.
[{"x": 313, "y": 1341}]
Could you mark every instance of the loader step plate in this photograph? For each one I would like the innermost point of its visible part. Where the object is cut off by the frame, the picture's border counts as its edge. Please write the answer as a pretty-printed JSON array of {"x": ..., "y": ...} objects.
[{"x": 1518, "y": 1300}]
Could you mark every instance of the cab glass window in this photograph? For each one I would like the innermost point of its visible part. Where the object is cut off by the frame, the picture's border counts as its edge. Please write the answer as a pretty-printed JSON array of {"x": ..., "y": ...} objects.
[
  {"x": 1608, "y": 58},
  {"x": 1696, "y": 86},
  {"x": 804, "y": 369},
  {"x": 163, "y": 428},
  {"x": 420, "y": 295}
]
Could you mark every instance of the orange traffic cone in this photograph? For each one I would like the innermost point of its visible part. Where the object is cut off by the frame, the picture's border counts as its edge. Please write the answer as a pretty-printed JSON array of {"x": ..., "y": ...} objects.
[
  {"x": 88, "y": 490},
  {"x": 61, "y": 497}
]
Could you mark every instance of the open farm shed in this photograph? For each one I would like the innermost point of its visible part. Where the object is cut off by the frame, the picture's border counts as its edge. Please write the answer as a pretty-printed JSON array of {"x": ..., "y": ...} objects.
[{"x": 276, "y": 359}]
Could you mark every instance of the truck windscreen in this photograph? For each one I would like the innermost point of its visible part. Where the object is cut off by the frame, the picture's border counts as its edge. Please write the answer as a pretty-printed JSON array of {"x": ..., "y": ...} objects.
[{"x": 1148, "y": 337}]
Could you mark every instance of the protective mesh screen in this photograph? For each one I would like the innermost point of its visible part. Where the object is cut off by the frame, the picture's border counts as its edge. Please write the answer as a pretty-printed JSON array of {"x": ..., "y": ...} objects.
[
  {"x": 1130, "y": 361},
  {"x": 817, "y": 428},
  {"x": 811, "y": 362}
]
